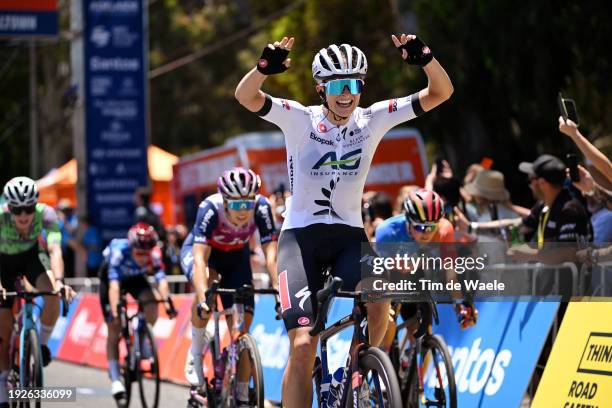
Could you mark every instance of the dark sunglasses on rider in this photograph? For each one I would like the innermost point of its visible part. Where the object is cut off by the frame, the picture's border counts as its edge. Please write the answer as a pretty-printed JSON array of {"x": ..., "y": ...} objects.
[
  {"x": 239, "y": 205},
  {"x": 336, "y": 87},
  {"x": 28, "y": 209},
  {"x": 425, "y": 227}
]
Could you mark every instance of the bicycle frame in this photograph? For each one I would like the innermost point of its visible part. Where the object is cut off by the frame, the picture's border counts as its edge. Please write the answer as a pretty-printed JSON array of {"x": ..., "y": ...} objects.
[
  {"x": 27, "y": 323},
  {"x": 358, "y": 342}
]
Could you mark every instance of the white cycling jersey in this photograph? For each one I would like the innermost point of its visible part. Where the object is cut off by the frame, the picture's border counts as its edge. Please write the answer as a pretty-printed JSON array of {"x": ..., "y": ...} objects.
[{"x": 328, "y": 164}]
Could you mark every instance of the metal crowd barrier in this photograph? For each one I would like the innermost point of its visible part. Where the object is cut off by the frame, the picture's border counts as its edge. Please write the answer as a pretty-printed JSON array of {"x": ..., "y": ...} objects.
[{"x": 523, "y": 278}]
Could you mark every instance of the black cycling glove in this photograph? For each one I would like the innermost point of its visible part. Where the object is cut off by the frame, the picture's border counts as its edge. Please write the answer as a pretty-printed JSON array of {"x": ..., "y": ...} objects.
[
  {"x": 271, "y": 60},
  {"x": 418, "y": 52}
]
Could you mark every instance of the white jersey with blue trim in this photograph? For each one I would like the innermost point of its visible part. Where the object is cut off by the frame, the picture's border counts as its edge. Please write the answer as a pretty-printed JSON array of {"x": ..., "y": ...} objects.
[{"x": 328, "y": 164}]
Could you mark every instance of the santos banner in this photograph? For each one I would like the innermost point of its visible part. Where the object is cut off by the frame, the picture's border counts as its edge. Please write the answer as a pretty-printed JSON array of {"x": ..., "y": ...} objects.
[
  {"x": 115, "y": 43},
  {"x": 493, "y": 360},
  {"x": 579, "y": 369}
]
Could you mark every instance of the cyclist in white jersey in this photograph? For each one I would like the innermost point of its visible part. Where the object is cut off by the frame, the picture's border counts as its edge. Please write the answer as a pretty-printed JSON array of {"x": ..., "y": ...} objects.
[{"x": 329, "y": 151}]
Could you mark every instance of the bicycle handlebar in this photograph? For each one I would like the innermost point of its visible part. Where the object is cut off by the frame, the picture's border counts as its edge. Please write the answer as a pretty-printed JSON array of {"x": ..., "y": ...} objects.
[
  {"x": 242, "y": 291},
  {"x": 324, "y": 297},
  {"x": 34, "y": 295}
]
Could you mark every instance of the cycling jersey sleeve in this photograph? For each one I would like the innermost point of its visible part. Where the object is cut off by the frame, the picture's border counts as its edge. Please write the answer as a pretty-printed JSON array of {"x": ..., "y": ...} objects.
[
  {"x": 206, "y": 222},
  {"x": 264, "y": 221},
  {"x": 385, "y": 115},
  {"x": 288, "y": 115},
  {"x": 115, "y": 254},
  {"x": 51, "y": 225}
]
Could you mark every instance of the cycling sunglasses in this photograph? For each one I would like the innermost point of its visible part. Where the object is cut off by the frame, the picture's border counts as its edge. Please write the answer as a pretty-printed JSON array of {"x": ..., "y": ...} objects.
[
  {"x": 425, "y": 227},
  {"x": 28, "y": 209},
  {"x": 240, "y": 204},
  {"x": 336, "y": 87}
]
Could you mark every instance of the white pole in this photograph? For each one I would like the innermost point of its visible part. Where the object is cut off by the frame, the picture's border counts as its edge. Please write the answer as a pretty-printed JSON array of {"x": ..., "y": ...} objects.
[{"x": 34, "y": 165}]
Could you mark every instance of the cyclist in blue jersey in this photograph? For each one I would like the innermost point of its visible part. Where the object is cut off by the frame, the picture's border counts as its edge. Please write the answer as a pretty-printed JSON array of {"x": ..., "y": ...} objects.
[
  {"x": 421, "y": 223},
  {"x": 219, "y": 245},
  {"x": 329, "y": 151},
  {"x": 127, "y": 262}
]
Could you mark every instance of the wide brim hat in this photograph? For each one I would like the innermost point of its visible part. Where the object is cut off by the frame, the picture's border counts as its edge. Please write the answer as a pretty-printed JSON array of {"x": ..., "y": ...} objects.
[{"x": 488, "y": 184}]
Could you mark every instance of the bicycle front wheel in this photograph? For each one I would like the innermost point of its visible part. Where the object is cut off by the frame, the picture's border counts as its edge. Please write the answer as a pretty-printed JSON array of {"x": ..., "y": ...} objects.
[
  {"x": 249, "y": 360},
  {"x": 439, "y": 381},
  {"x": 379, "y": 387},
  {"x": 147, "y": 368},
  {"x": 127, "y": 369},
  {"x": 31, "y": 364}
]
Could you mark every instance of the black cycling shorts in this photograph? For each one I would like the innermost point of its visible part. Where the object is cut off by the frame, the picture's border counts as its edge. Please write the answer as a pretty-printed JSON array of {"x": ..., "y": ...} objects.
[
  {"x": 234, "y": 267},
  {"x": 134, "y": 285},
  {"x": 303, "y": 256},
  {"x": 30, "y": 264}
]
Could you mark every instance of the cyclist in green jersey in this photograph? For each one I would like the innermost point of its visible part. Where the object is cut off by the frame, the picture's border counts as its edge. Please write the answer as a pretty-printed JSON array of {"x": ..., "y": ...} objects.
[{"x": 25, "y": 252}]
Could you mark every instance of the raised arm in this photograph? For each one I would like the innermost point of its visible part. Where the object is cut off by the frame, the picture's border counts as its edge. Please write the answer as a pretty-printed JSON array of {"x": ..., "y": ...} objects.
[
  {"x": 439, "y": 86},
  {"x": 273, "y": 61},
  {"x": 599, "y": 160}
]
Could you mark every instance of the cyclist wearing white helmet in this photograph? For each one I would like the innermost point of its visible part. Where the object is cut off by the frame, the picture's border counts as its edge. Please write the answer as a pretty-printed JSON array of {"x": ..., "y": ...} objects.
[
  {"x": 329, "y": 151},
  {"x": 219, "y": 242},
  {"x": 22, "y": 253}
]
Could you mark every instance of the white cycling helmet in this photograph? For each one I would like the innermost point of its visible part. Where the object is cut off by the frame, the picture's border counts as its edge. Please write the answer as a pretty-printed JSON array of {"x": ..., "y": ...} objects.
[
  {"x": 21, "y": 192},
  {"x": 339, "y": 61},
  {"x": 238, "y": 183}
]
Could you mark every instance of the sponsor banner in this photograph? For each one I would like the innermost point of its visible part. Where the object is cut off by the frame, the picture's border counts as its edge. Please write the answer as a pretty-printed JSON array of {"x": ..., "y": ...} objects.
[
  {"x": 271, "y": 165},
  {"x": 115, "y": 50},
  {"x": 28, "y": 18},
  {"x": 82, "y": 330},
  {"x": 493, "y": 360},
  {"x": 399, "y": 160},
  {"x": 273, "y": 342},
  {"x": 579, "y": 370}
]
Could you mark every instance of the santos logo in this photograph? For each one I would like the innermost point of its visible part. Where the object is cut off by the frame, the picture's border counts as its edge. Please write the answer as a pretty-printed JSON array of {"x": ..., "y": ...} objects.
[
  {"x": 476, "y": 369},
  {"x": 348, "y": 161}
]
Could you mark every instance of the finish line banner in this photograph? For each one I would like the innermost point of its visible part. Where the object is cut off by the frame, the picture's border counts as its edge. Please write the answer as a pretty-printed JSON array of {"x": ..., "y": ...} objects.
[
  {"x": 115, "y": 42},
  {"x": 26, "y": 18}
]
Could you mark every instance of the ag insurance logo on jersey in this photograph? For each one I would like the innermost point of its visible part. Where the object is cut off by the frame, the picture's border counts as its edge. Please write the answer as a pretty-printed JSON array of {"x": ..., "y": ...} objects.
[
  {"x": 494, "y": 360},
  {"x": 331, "y": 164}
]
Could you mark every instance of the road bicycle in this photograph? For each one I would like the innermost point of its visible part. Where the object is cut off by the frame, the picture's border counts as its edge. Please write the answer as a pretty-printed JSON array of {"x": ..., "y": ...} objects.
[
  {"x": 24, "y": 348},
  {"x": 368, "y": 378},
  {"x": 241, "y": 355},
  {"x": 140, "y": 362},
  {"x": 427, "y": 358}
]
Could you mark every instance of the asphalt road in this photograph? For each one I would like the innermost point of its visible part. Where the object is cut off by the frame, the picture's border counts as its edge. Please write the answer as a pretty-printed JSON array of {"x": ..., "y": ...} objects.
[{"x": 93, "y": 387}]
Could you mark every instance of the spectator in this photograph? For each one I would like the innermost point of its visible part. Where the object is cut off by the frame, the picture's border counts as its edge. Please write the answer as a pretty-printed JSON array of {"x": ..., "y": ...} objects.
[
  {"x": 172, "y": 252},
  {"x": 491, "y": 202},
  {"x": 599, "y": 160},
  {"x": 381, "y": 208},
  {"x": 144, "y": 212},
  {"x": 68, "y": 223},
  {"x": 404, "y": 191},
  {"x": 470, "y": 175},
  {"x": 91, "y": 243}
]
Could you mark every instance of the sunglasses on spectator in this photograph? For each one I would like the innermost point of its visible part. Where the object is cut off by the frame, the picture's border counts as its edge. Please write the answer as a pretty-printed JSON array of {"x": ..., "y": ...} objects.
[
  {"x": 29, "y": 209},
  {"x": 336, "y": 87},
  {"x": 239, "y": 205},
  {"x": 425, "y": 227}
]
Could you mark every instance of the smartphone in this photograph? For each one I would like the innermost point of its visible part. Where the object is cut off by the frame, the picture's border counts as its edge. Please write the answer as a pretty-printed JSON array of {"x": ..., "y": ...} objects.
[
  {"x": 568, "y": 110},
  {"x": 571, "y": 161}
]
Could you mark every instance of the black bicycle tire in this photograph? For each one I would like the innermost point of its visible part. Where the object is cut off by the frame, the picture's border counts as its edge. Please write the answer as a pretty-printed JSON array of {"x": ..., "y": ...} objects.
[
  {"x": 247, "y": 341},
  {"x": 31, "y": 348},
  {"x": 373, "y": 358},
  {"x": 437, "y": 342},
  {"x": 148, "y": 332},
  {"x": 127, "y": 372}
]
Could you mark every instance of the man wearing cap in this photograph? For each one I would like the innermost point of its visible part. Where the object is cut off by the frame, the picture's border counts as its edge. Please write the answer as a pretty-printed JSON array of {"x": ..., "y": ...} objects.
[{"x": 558, "y": 216}]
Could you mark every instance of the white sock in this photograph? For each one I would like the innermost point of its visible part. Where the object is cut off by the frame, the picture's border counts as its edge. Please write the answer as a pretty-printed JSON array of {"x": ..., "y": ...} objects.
[
  {"x": 3, "y": 392},
  {"x": 113, "y": 370},
  {"x": 242, "y": 391},
  {"x": 45, "y": 333},
  {"x": 199, "y": 339}
]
